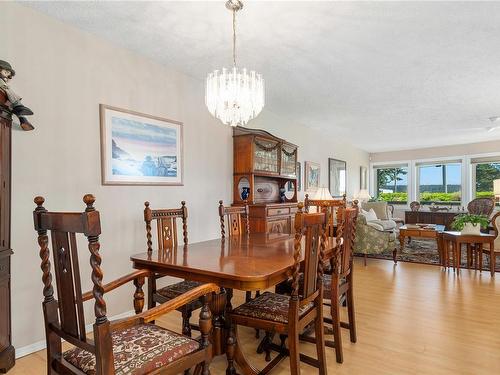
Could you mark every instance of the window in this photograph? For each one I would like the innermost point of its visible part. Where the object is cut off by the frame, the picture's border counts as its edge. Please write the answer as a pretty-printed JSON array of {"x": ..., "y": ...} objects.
[
  {"x": 392, "y": 184},
  {"x": 440, "y": 183},
  {"x": 484, "y": 171}
]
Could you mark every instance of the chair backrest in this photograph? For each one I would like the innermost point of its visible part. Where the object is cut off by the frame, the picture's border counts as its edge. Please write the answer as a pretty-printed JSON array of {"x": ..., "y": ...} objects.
[
  {"x": 381, "y": 208},
  {"x": 341, "y": 262},
  {"x": 481, "y": 206},
  {"x": 166, "y": 226},
  {"x": 332, "y": 206},
  {"x": 311, "y": 228},
  {"x": 65, "y": 316},
  {"x": 415, "y": 206},
  {"x": 236, "y": 216},
  {"x": 495, "y": 221}
]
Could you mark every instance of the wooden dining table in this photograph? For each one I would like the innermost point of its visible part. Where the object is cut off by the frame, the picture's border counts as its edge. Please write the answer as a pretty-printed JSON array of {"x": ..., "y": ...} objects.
[{"x": 248, "y": 263}]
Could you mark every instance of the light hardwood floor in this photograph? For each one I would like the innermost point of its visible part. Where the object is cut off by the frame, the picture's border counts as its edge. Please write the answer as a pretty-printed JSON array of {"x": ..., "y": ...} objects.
[{"x": 411, "y": 319}]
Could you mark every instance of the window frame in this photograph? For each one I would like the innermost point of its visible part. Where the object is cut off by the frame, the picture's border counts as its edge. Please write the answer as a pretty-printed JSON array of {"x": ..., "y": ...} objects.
[{"x": 418, "y": 164}]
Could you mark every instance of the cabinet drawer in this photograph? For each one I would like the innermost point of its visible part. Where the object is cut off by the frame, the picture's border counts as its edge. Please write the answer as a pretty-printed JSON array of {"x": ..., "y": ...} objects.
[
  {"x": 278, "y": 211},
  {"x": 278, "y": 226}
]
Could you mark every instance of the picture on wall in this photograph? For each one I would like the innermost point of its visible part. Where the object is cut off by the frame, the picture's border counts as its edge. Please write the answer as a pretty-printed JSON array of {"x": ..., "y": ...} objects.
[
  {"x": 311, "y": 176},
  {"x": 337, "y": 177},
  {"x": 139, "y": 149},
  {"x": 363, "y": 178}
]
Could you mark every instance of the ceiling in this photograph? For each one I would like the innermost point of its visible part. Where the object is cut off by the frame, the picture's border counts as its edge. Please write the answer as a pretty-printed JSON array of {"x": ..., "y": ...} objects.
[{"x": 387, "y": 75}]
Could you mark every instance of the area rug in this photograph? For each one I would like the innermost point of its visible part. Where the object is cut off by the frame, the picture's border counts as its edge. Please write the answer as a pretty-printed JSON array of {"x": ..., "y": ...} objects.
[{"x": 425, "y": 251}]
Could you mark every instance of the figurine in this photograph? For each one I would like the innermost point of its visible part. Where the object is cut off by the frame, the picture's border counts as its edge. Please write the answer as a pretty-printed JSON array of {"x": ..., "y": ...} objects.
[{"x": 17, "y": 108}]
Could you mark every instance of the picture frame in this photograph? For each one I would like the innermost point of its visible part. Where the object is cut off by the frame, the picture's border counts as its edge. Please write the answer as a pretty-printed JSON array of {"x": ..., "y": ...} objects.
[
  {"x": 363, "y": 178},
  {"x": 337, "y": 177},
  {"x": 312, "y": 174},
  {"x": 140, "y": 149}
]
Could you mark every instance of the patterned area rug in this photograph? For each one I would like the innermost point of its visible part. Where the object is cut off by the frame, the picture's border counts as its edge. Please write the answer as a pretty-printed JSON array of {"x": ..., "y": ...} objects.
[{"x": 425, "y": 251}]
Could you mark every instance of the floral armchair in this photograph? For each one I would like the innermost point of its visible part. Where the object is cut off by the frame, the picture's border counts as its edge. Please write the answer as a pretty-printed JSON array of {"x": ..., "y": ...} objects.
[{"x": 375, "y": 237}]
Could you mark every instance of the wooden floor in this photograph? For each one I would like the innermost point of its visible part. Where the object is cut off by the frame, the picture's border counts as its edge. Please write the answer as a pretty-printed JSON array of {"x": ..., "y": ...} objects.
[{"x": 412, "y": 319}]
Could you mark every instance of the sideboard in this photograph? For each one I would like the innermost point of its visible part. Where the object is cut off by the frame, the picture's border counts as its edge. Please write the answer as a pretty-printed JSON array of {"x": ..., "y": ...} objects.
[{"x": 428, "y": 217}]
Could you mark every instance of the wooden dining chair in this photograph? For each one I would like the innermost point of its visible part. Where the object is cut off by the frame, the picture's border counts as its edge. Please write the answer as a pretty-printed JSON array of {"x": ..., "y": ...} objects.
[
  {"x": 481, "y": 206},
  {"x": 167, "y": 236},
  {"x": 338, "y": 286},
  {"x": 495, "y": 222},
  {"x": 289, "y": 315},
  {"x": 237, "y": 218},
  {"x": 129, "y": 345},
  {"x": 332, "y": 206}
]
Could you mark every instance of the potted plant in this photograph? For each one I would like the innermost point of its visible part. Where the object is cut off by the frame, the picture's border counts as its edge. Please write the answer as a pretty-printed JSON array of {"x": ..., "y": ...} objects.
[{"x": 470, "y": 224}]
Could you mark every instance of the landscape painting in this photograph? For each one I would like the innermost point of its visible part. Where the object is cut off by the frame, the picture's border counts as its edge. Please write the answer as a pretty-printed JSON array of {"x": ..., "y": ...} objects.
[
  {"x": 139, "y": 149},
  {"x": 312, "y": 176}
]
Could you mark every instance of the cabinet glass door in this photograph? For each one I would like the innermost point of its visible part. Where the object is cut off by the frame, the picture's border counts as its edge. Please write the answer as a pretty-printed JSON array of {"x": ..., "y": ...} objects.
[
  {"x": 265, "y": 156},
  {"x": 288, "y": 161}
]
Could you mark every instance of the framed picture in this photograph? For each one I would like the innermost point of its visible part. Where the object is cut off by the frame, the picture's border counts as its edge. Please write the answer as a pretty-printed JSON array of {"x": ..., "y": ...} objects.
[
  {"x": 363, "y": 178},
  {"x": 139, "y": 149},
  {"x": 311, "y": 176},
  {"x": 337, "y": 177}
]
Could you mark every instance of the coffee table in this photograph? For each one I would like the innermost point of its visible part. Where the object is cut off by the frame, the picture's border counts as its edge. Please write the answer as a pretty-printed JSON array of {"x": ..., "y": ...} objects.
[{"x": 422, "y": 232}]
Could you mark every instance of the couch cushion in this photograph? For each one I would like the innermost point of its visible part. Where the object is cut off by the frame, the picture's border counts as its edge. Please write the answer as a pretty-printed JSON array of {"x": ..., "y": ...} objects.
[
  {"x": 137, "y": 350},
  {"x": 380, "y": 209},
  {"x": 269, "y": 306},
  {"x": 386, "y": 224},
  {"x": 369, "y": 215}
]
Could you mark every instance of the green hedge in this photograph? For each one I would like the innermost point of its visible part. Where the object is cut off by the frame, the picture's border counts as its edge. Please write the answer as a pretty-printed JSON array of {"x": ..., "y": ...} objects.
[
  {"x": 485, "y": 194},
  {"x": 439, "y": 197},
  {"x": 393, "y": 197},
  {"x": 427, "y": 197}
]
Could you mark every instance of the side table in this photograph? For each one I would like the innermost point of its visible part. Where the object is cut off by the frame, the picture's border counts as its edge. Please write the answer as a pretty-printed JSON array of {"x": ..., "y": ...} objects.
[{"x": 456, "y": 239}]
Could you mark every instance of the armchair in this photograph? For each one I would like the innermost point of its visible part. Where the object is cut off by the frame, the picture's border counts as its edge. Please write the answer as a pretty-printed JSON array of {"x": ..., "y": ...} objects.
[
  {"x": 377, "y": 236},
  {"x": 117, "y": 347}
]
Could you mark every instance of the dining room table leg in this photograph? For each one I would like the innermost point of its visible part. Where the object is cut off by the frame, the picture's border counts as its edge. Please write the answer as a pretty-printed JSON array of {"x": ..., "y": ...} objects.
[{"x": 218, "y": 308}]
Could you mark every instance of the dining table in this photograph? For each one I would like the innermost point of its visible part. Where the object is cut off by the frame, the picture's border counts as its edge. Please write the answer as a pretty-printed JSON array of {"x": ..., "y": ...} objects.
[{"x": 249, "y": 262}]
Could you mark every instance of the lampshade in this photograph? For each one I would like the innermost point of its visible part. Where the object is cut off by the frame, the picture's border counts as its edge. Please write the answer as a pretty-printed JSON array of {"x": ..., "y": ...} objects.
[
  {"x": 496, "y": 188},
  {"x": 363, "y": 195},
  {"x": 322, "y": 194}
]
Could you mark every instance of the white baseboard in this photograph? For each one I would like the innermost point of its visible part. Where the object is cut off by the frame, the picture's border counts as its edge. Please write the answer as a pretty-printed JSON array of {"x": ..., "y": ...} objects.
[{"x": 40, "y": 345}]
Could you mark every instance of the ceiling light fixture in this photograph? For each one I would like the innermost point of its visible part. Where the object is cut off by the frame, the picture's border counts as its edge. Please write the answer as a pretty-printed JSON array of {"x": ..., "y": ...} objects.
[{"x": 234, "y": 96}]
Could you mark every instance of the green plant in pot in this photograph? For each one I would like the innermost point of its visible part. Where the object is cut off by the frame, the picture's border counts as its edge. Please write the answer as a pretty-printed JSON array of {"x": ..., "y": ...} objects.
[{"x": 470, "y": 224}]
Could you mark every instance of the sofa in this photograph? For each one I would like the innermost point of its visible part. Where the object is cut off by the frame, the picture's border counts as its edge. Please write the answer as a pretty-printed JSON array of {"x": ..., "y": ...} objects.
[{"x": 375, "y": 236}]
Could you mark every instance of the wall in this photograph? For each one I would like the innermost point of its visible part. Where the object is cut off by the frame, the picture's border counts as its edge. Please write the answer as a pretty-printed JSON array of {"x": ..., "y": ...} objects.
[
  {"x": 63, "y": 74},
  {"x": 437, "y": 152},
  {"x": 317, "y": 147}
]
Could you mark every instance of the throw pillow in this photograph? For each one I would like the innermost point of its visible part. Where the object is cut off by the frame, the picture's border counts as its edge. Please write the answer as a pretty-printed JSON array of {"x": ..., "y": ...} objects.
[{"x": 369, "y": 215}]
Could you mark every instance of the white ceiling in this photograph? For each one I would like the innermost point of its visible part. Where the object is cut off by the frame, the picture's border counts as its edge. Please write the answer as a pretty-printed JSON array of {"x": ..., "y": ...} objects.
[{"x": 388, "y": 75}]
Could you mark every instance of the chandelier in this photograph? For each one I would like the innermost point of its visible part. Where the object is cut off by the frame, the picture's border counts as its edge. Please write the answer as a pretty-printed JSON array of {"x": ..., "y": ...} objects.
[{"x": 234, "y": 96}]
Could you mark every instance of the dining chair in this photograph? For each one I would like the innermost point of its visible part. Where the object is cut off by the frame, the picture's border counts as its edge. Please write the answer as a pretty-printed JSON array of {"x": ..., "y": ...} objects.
[
  {"x": 167, "y": 236},
  {"x": 481, "y": 206},
  {"x": 129, "y": 345},
  {"x": 495, "y": 221},
  {"x": 237, "y": 218},
  {"x": 289, "y": 315},
  {"x": 332, "y": 206}
]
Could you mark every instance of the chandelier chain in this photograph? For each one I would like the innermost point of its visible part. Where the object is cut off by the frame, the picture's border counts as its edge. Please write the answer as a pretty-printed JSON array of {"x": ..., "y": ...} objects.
[{"x": 234, "y": 37}]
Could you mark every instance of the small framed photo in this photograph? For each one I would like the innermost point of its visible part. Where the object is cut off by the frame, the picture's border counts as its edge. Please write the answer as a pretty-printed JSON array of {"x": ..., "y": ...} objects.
[
  {"x": 311, "y": 176},
  {"x": 139, "y": 149}
]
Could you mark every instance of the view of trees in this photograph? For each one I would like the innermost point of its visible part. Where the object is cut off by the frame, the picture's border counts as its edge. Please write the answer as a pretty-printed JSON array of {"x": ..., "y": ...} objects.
[{"x": 485, "y": 174}]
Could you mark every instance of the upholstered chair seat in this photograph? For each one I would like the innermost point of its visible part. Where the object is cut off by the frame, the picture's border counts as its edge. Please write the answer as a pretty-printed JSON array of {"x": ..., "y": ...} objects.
[
  {"x": 269, "y": 306},
  {"x": 177, "y": 289},
  {"x": 137, "y": 350}
]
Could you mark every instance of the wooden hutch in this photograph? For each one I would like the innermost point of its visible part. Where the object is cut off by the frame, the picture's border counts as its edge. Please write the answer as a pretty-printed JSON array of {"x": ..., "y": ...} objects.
[
  {"x": 266, "y": 166},
  {"x": 6, "y": 349}
]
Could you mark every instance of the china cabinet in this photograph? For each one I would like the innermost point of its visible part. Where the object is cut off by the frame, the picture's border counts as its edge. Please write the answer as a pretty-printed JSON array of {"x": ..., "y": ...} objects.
[{"x": 265, "y": 174}]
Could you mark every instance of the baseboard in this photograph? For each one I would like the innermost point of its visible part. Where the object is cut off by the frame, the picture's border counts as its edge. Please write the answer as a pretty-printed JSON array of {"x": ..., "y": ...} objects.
[{"x": 40, "y": 345}]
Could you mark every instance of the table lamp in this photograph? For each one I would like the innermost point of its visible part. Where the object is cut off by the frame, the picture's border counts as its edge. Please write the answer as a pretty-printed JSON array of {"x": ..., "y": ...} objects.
[
  {"x": 322, "y": 194},
  {"x": 363, "y": 195},
  {"x": 496, "y": 189}
]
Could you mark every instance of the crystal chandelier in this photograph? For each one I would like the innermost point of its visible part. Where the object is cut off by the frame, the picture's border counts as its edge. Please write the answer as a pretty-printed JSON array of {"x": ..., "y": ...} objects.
[{"x": 234, "y": 96}]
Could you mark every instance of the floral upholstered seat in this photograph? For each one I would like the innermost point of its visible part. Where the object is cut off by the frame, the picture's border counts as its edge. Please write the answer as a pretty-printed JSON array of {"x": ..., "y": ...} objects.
[
  {"x": 175, "y": 290},
  {"x": 269, "y": 306},
  {"x": 137, "y": 350}
]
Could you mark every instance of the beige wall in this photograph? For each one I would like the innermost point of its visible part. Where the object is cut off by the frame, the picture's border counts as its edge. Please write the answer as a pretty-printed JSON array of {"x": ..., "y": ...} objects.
[
  {"x": 437, "y": 152},
  {"x": 64, "y": 74}
]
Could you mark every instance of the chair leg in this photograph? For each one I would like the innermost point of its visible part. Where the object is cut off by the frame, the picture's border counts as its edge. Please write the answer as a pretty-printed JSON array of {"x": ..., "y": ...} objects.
[
  {"x": 230, "y": 348},
  {"x": 365, "y": 260},
  {"x": 335, "y": 312},
  {"x": 320, "y": 339},
  {"x": 350, "y": 311},
  {"x": 293, "y": 347},
  {"x": 248, "y": 296},
  {"x": 186, "y": 315}
]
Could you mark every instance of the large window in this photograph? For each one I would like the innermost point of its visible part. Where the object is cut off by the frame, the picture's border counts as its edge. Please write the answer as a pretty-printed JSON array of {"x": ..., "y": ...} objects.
[
  {"x": 440, "y": 183},
  {"x": 484, "y": 171},
  {"x": 392, "y": 184}
]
